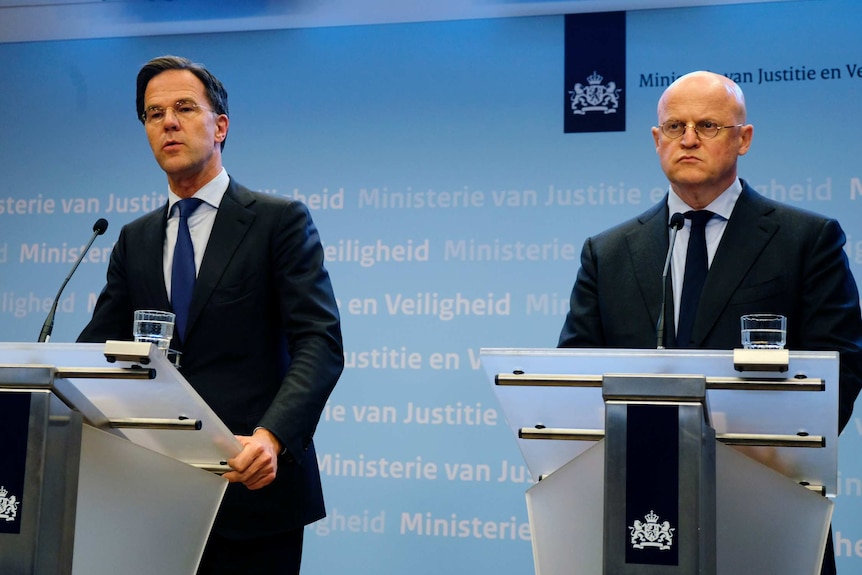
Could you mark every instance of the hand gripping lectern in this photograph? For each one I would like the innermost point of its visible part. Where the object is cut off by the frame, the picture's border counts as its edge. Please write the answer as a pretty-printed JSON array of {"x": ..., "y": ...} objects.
[
  {"x": 665, "y": 462},
  {"x": 110, "y": 461}
]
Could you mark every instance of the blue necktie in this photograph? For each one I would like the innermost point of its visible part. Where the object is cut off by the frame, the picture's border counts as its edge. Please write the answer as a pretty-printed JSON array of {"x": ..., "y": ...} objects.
[
  {"x": 696, "y": 266},
  {"x": 183, "y": 269}
]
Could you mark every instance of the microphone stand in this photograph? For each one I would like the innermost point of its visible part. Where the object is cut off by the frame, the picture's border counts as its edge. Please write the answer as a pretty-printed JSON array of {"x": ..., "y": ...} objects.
[
  {"x": 677, "y": 221},
  {"x": 98, "y": 229}
]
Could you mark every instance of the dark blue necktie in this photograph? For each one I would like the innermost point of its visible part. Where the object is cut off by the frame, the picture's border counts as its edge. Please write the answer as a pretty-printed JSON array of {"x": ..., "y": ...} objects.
[
  {"x": 183, "y": 270},
  {"x": 696, "y": 266}
]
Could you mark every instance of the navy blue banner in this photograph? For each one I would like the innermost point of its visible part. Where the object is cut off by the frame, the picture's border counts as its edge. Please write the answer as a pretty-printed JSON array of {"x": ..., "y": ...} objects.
[
  {"x": 652, "y": 484},
  {"x": 595, "y": 75},
  {"x": 14, "y": 429}
]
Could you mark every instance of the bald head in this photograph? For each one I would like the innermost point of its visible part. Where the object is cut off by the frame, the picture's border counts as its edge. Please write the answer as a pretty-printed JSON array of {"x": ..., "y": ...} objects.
[{"x": 702, "y": 84}]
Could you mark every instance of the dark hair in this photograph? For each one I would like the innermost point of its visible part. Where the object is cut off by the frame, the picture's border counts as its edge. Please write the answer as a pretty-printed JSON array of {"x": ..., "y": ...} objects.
[{"x": 215, "y": 91}]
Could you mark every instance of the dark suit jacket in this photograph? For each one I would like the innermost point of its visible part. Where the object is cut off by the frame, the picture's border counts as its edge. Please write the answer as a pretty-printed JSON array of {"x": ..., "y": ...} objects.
[
  {"x": 772, "y": 258},
  {"x": 263, "y": 345}
]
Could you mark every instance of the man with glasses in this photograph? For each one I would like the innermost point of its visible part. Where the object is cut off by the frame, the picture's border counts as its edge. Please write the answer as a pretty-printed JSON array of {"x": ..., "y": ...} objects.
[
  {"x": 257, "y": 322},
  {"x": 759, "y": 255}
]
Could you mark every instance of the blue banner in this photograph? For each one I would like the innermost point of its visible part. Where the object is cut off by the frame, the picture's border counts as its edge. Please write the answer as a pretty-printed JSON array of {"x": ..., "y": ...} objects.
[{"x": 595, "y": 72}]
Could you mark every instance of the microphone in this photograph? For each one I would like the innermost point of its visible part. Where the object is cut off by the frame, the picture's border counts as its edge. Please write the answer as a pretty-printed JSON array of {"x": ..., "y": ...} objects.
[
  {"x": 98, "y": 229},
  {"x": 677, "y": 221}
]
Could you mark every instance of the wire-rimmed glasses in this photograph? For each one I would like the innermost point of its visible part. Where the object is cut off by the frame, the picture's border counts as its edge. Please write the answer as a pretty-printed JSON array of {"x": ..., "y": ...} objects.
[{"x": 707, "y": 129}]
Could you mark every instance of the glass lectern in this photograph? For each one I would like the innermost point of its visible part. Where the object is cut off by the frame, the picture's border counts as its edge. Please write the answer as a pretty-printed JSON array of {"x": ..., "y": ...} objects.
[{"x": 673, "y": 461}]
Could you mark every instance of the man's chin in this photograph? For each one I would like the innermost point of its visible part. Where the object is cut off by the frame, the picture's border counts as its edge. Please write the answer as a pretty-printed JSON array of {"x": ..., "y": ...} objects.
[
  {"x": 176, "y": 167},
  {"x": 688, "y": 177}
]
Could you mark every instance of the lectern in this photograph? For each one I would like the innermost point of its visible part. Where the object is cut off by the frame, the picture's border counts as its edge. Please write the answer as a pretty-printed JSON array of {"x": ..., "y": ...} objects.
[
  {"x": 660, "y": 462},
  {"x": 110, "y": 461}
]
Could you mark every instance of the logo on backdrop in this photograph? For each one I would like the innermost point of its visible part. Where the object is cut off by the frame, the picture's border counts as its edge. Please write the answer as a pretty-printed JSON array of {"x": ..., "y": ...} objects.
[
  {"x": 651, "y": 534},
  {"x": 8, "y": 505},
  {"x": 595, "y": 96},
  {"x": 595, "y": 72}
]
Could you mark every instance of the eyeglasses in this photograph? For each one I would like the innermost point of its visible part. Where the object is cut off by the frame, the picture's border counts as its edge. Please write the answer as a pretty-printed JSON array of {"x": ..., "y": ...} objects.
[
  {"x": 183, "y": 109},
  {"x": 704, "y": 129}
]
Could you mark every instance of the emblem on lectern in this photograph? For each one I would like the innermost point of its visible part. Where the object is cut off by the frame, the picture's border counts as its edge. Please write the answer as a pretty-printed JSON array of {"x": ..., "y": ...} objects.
[
  {"x": 651, "y": 534},
  {"x": 8, "y": 505}
]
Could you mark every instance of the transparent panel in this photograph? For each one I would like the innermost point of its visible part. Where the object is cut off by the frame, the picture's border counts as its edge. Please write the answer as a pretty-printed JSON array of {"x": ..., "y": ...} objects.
[
  {"x": 567, "y": 516},
  {"x": 140, "y": 512}
]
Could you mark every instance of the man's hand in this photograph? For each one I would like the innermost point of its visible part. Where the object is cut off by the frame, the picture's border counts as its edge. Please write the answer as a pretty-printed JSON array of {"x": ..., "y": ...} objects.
[{"x": 256, "y": 465}]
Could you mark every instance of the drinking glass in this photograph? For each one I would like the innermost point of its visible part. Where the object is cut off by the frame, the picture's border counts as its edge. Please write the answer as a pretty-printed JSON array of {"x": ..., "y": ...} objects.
[
  {"x": 154, "y": 326},
  {"x": 764, "y": 331}
]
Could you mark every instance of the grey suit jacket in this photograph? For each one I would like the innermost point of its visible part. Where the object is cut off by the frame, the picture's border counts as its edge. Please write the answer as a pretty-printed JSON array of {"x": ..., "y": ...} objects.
[
  {"x": 263, "y": 345},
  {"x": 773, "y": 258}
]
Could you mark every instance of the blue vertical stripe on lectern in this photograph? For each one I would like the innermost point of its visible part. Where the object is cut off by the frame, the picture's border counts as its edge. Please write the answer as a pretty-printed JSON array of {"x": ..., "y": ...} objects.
[
  {"x": 652, "y": 476},
  {"x": 14, "y": 429}
]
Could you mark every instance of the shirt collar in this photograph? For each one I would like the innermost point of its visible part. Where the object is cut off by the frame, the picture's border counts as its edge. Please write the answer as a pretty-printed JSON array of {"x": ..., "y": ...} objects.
[
  {"x": 211, "y": 193},
  {"x": 721, "y": 206}
]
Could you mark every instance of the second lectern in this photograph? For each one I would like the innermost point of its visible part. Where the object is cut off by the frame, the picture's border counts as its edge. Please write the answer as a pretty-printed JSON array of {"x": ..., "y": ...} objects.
[{"x": 661, "y": 462}]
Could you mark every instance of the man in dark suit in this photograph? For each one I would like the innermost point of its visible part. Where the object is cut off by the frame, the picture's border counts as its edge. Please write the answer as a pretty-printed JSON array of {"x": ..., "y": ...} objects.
[
  {"x": 764, "y": 257},
  {"x": 261, "y": 342}
]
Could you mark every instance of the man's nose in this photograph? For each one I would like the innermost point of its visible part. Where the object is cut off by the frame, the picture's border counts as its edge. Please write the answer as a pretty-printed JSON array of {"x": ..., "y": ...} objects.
[
  {"x": 689, "y": 136},
  {"x": 172, "y": 119}
]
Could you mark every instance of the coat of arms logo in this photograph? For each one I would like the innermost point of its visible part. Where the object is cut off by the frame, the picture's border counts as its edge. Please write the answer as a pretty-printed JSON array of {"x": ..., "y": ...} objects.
[
  {"x": 8, "y": 505},
  {"x": 595, "y": 96},
  {"x": 651, "y": 534}
]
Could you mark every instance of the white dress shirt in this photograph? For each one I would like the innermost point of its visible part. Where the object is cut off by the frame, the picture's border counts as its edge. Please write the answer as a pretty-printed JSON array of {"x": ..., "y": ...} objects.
[
  {"x": 200, "y": 222},
  {"x": 722, "y": 206}
]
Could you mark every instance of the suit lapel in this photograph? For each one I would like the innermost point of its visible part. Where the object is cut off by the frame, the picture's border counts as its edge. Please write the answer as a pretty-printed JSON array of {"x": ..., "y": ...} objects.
[
  {"x": 230, "y": 227},
  {"x": 151, "y": 257},
  {"x": 647, "y": 247},
  {"x": 748, "y": 231}
]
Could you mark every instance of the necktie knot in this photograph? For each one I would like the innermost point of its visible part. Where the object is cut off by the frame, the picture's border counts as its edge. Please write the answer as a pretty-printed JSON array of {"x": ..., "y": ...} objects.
[
  {"x": 699, "y": 217},
  {"x": 188, "y": 206}
]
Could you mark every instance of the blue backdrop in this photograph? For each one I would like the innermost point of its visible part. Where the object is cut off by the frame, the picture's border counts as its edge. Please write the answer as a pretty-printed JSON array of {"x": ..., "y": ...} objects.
[{"x": 452, "y": 206}]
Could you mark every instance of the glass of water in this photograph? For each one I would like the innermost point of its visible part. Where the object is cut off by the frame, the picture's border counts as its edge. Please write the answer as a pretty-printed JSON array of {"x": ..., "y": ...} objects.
[
  {"x": 764, "y": 331},
  {"x": 154, "y": 326}
]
